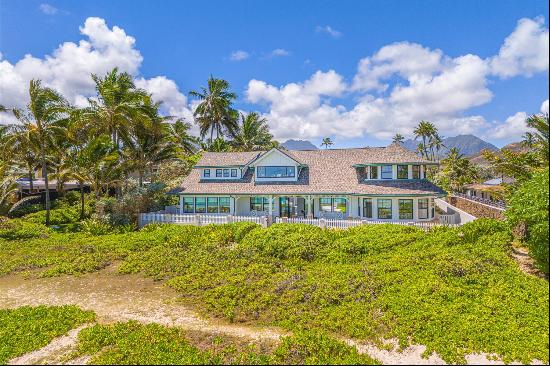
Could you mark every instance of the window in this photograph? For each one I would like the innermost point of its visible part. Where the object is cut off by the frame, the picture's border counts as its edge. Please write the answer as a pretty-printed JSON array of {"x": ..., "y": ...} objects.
[
  {"x": 259, "y": 204},
  {"x": 329, "y": 204},
  {"x": 387, "y": 172},
  {"x": 402, "y": 172},
  {"x": 276, "y": 172},
  {"x": 224, "y": 205},
  {"x": 213, "y": 205},
  {"x": 373, "y": 172},
  {"x": 200, "y": 205},
  {"x": 226, "y": 173},
  {"x": 233, "y": 173},
  {"x": 367, "y": 208},
  {"x": 416, "y": 171},
  {"x": 432, "y": 205},
  {"x": 423, "y": 208},
  {"x": 188, "y": 205},
  {"x": 405, "y": 209},
  {"x": 384, "y": 209},
  {"x": 218, "y": 173},
  {"x": 207, "y": 173}
]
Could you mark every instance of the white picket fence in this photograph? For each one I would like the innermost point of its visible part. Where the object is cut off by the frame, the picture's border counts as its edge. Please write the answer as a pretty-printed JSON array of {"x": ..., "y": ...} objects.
[
  {"x": 198, "y": 220},
  {"x": 345, "y": 224}
]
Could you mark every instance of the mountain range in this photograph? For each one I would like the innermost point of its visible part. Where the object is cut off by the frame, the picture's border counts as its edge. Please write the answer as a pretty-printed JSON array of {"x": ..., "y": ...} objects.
[
  {"x": 299, "y": 145},
  {"x": 468, "y": 145}
]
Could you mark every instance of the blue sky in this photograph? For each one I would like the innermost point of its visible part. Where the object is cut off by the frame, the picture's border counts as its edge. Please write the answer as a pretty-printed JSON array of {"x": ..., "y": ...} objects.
[{"x": 299, "y": 62}]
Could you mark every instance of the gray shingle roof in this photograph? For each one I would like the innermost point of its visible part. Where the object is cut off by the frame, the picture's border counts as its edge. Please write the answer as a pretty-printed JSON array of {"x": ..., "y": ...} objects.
[{"x": 327, "y": 171}]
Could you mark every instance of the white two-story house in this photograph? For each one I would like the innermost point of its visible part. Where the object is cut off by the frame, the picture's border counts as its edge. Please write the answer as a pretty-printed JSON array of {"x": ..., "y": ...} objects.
[{"x": 378, "y": 183}]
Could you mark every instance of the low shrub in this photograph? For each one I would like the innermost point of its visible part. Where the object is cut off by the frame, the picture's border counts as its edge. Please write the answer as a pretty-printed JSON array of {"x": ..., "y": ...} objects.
[
  {"x": 26, "y": 329},
  {"x": 19, "y": 229},
  {"x": 57, "y": 216}
]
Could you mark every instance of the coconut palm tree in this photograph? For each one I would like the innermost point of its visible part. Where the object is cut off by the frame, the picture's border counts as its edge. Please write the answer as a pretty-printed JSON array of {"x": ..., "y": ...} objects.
[
  {"x": 457, "y": 171},
  {"x": 117, "y": 105},
  {"x": 435, "y": 145},
  {"x": 398, "y": 138},
  {"x": 179, "y": 133},
  {"x": 252, "y": 134},
  {"x": 43, "y": 121},
  {"x": 8, "y": 186},
  {"x": 326, "y": 142},
  {"x": 215, "y": 111},
  {"x": 424, "y": 130},
  {"x": 23, "y": 145},
  {"x": 538, "y": 139}
]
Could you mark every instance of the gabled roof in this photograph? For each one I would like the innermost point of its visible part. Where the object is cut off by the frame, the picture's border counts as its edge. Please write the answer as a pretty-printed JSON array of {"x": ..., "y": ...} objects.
[
  {"x": 328, "y": 171},
  {"x": 280, "y": 151}
]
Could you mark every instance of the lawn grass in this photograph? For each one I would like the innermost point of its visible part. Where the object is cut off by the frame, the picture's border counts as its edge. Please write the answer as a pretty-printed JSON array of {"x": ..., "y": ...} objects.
[
  {"x": 455, "y": 290},
  {"x": 26, "y": 329}
]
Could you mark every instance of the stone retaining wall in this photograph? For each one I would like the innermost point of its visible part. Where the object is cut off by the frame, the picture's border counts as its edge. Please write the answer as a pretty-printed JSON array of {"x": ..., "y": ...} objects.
[{"x": 476, "y": 209}]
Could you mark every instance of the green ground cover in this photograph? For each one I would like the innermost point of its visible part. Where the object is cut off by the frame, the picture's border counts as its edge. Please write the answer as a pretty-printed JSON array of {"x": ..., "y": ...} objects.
[
  {"x": 26, "y": 329},
  {"x": 455, "y": 290}
]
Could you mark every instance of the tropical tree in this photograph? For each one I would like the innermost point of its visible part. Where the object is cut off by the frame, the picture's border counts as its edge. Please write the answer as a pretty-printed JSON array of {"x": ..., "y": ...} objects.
[
  {"x": 8, "y": 186},
  {"x": 218, "y": 145},
  {"x": 425, "y": 130},
  {"x": 43, "y": 121},
  {"x": 326, "y": 142},
  {"x": 179, "y": 133},
  {"x": 252, "y": 134},
  {"x": 538, "y": 139},
  {"x": 398, "y": 138},
  {"x": 215, "y": 112},
  {"x": 118, "y": 104},
  {"x": 435, "y": 144},
  {"x": 457, "y": 171}
]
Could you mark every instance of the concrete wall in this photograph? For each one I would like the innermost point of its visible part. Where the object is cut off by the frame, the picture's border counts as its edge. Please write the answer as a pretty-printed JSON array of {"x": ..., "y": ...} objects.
[
  {"x": 476, "y": 209},
  {"x": 463, "y": 216}
]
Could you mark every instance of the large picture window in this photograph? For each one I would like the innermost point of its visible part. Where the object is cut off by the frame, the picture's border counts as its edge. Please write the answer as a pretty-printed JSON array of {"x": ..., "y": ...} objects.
[
  {"x": 402, "y": 172},
  {"x": 387, "y": 172},
  {"x": 423, "y": 208},
  {"x": 200, "y": 205},
  {"x": 384, "y": 209},
  {"x": 213, "y": 205},
  {"x": 259, "y": 204},
  {"x": 276, "y": 172},
  {"x": 330, "y": 204},
  {"x": 188, "y": 205},
  {"x": 405, "y": 209},
  {"x": 225, "y": 206},
  {"x": 367, "y": 208},
  {"x": 416, "y": 171}
]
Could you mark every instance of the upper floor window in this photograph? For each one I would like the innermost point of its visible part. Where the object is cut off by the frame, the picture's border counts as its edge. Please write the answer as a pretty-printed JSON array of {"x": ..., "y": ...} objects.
[
  {"x": 233, "y": 173},
  {"x": 373, "y": 172},
  {"x": 207, "y": 173},
  {"x": 276, "y": 172},
  {"x": 226, "y": 173},
  {"x": 387, "y": 172},
  {"x": 402, "y": 172},
  {"x": 219, "y": 173},
  {"x": 416, "y": 171}
]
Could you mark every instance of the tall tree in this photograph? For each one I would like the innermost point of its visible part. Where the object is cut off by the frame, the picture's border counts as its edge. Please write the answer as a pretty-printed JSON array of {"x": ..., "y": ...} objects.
[
  {"x": 456, "y": 172},
  {"x": 179, "y": 133},
  {"x": 435, "y": 144},
  {"x": 252, "y": 134},
  {"x": 326, "y": 142},
  {"x": 425, "y": 130},
  {"x": 538, "y": 139},
  {"x": 215, "y": 112},
  {"x": 42, "y": 119},
  {"x": 398, "y": 138}
]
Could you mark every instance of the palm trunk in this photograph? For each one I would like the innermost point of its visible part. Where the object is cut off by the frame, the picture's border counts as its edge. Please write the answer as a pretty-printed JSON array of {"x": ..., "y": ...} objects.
[
  {"x": 81, "y": 200},
  {"x": 140, "y": 179},
  {"x": 46, "y": 182}
]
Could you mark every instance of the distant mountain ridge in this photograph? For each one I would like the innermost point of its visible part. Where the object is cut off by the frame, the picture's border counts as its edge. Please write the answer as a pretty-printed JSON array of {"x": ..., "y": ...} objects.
[
  {"x": 299, "y": 145},
  {"x": 468, "y": 145}
]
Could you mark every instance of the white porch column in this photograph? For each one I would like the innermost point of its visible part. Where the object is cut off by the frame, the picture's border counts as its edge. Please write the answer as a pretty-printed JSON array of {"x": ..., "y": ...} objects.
[
  {"x": 309, "y": 208},
  {"x": 181, "y": 205},
  {"x": 270, "y": 199},
  {"x": 422, "y": 172},
  {"x": 394, "y": 172},
  {"x": 232, "y": 205},
  {"x": 409, "y": 171}
]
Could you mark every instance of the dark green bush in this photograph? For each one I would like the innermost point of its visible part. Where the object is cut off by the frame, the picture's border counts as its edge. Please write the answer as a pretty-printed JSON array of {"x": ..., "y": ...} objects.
[
  {"x": 528, "y": 206},
  {"x": 241, "y": 229},
  {"x": 58, "y": 216}
]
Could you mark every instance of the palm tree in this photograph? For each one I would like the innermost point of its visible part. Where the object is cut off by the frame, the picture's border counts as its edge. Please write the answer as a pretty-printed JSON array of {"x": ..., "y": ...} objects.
[
  {"x": 435, "y": 144},
  {"x": 23, "y": 145},
  {"x": 218, "y": 145},
  {"x": 398, "y": 138},
  {"x": 8, "y": 186},
  {"x": 179, "y": 132},
  {"x": 252, "y": 134},
  {"x": 326, "y": 142},
  {"x": 215, "y": 112},
  {"x": 42, "y": 120},
  {"x": 424, "y": 130},
  {"x": 118, "y": 104},
  {"x": 458, "y": 170},
  {"x": 538, "y": 139}
]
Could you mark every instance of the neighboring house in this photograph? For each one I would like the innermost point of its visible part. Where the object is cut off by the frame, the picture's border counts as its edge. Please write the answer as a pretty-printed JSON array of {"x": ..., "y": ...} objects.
[
  {"x": 379, "y": 183},
  {"x": 491, "y": 190}
]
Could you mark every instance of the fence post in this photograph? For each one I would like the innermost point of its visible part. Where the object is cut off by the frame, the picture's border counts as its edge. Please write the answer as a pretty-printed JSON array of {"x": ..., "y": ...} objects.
[
  {"x": 263, "y": 220},
  {"x": 229, "y": 219},
  {"x": 323, "y": 223},
  {"x": 197, "y": 220},
  {"x": 140, "y": 221}
]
